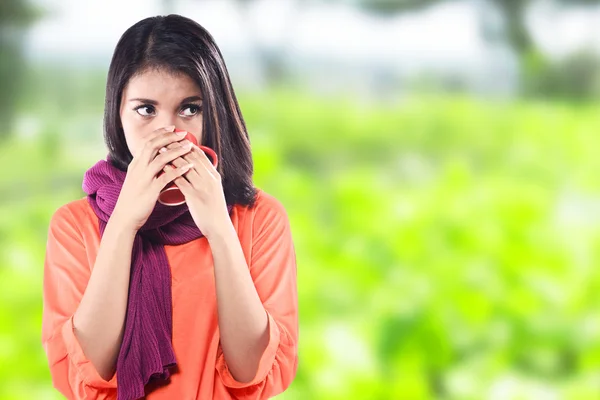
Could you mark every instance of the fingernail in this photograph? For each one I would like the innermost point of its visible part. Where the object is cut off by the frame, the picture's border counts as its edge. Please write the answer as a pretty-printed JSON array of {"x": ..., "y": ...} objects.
[
  {"x": 162, "y": 150},
  {"x": 182, "y": 133},
  {"x": 170, "y": 128}
]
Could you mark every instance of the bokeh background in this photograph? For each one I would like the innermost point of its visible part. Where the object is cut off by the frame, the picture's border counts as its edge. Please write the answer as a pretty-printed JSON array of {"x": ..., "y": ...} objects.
[{"x": 438, "y": 161}]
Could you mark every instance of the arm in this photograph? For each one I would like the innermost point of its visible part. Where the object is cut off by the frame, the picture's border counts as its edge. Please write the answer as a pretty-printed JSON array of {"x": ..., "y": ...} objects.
[
  {"x": 84, "y": 310},
  {"x": 99, "y": 320},
  {"x": 257, "y": 306}
]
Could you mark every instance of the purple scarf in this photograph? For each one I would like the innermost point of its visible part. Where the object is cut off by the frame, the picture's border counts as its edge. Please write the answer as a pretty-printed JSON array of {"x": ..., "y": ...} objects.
[{"x": 146, "y": 352}]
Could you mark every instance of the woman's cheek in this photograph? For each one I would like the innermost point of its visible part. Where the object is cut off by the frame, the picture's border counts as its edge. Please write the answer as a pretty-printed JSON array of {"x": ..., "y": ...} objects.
[
  {"x": 194, "y": 126},
  {"x": 134, "y": 142}
]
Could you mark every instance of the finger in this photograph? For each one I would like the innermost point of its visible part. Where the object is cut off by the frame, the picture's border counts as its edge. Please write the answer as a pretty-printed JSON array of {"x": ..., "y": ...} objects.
[
  {"x": 162, "y": 129},
  {"x": 185, "y": 134},
  {"x": 193, "y": 176},
  {"x": 170, "y": 175},
  {"x": 202, "y": 166},
  {"x": 184, "y": 185},
  {"x": 180, "y": 141},
  {"x": 178, "y": 162},
  {"x": 202, "y": 156},
  {"x": 158, "y": 133},
  {"x": 168, "y": 156},
  {"x": 158, "y": 141},
  {"x": 199, "y": 157},
  {"x": 155, "y": 133},
  {"x": 168, "y": 138}
]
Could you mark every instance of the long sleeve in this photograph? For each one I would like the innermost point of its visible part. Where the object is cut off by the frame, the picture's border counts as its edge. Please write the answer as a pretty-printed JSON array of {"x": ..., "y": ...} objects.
[
  {"x": 273, "y": 270},
  {"x": 66, "y": 274}
]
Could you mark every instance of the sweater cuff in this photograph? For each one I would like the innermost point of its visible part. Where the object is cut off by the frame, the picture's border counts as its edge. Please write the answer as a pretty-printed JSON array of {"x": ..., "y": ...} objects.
[
  {"x": 264, "y": 366},
  {"x": 85, "y": 369}
]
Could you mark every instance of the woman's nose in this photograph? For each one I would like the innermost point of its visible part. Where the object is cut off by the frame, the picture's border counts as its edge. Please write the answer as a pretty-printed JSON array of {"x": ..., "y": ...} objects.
[{"x": 165, "y": 121}]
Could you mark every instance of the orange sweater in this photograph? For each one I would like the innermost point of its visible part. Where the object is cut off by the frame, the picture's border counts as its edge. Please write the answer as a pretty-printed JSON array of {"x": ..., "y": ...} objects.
[{"x": 265, "y": 235}]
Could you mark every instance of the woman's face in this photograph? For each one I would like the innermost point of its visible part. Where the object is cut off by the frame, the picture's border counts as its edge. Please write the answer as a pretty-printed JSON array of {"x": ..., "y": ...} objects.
[{"x": 155, "y": 99}]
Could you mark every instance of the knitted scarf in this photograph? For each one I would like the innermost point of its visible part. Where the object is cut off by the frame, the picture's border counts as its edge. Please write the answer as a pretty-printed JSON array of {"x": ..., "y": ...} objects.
[{"x": 146, "y": 352}]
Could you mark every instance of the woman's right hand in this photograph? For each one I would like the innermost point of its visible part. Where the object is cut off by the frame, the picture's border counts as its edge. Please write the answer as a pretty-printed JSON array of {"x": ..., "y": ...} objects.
[{"x": 142, "y": 186}]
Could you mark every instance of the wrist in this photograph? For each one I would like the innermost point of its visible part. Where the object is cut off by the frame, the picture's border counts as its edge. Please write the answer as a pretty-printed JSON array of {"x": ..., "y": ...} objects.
[
  {"x": 222, "y": 231},
  {"x": 121, "y": 224}
]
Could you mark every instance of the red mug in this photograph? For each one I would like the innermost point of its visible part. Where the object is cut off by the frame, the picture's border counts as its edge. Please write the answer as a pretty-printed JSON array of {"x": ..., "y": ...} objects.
[{"x": 171, "y": 195}]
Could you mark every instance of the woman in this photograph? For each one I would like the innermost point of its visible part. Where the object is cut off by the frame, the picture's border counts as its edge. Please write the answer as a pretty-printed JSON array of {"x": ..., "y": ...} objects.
[{"x": 195, "y": 301}]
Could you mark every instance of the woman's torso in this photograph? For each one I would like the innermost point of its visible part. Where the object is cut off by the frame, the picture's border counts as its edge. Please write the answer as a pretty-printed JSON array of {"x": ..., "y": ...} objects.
[{"x": 195, "y": 323}]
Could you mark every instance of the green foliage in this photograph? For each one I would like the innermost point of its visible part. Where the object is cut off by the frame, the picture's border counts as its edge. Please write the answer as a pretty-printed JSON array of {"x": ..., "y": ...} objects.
[
  {"x": 15, "y": 16},
  {"x": 576, "y": 77},
  {"x": 18, "y": 13},
  {"x": 445, "y": 246}
]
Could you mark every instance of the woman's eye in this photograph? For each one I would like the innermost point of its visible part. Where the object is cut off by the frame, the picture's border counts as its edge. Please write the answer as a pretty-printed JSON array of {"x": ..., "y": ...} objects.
[
  {"x": 145, "y": 111},
  {"x": 190, "y": 110}
]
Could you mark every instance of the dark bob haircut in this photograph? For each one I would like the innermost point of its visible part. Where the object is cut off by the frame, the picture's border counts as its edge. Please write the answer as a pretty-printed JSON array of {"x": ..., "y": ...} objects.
[{"x": 180, "y": 45}]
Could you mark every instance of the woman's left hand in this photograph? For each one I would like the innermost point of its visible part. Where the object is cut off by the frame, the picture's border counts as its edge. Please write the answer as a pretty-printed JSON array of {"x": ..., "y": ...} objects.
[{"x": 203, "y": 191}]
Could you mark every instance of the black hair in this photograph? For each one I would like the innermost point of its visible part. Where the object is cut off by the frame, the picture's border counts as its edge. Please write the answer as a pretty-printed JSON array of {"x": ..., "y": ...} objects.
[{"x": 180, "y": 45}]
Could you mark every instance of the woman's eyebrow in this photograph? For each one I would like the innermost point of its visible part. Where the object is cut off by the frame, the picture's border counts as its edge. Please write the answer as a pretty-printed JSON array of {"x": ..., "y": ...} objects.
[
  {"x": 148, "y": 101},
  {"x": 191, "y": 99},
  {"x": 154, "y": 102}
]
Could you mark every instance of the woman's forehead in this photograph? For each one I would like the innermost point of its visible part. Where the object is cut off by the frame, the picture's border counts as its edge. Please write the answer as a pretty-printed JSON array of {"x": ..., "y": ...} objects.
[{"x": 161, "y": 85}]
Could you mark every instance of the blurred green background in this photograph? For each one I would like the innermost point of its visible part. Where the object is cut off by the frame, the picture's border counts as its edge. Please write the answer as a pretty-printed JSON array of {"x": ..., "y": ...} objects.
[{"x": 444, "y": 204}]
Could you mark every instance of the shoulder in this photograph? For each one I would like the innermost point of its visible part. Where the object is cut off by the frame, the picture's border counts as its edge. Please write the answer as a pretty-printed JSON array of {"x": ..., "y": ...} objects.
[
  {"x": 268, "y": 214},
  {"x": 70, "y": 216},
  {"x": 267, "y": 206}
]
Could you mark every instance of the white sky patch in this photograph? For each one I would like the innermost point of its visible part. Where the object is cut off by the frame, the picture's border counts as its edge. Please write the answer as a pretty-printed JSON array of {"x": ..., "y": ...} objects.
[{"x": 447, "y": 35}]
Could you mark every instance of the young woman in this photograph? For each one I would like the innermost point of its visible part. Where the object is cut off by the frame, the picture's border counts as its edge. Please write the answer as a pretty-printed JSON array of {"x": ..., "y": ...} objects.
[{"x": 143, "y": 299}]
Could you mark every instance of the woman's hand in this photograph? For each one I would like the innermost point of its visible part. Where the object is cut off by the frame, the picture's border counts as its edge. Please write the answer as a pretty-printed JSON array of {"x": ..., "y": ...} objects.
[
  {"x": 203, "y": 191},
  {"x": 141, "y": 187}
]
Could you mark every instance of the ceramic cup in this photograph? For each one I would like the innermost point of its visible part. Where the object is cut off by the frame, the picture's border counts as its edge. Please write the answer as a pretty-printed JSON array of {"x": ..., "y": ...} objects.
[{"x": 171, "y": 195}]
